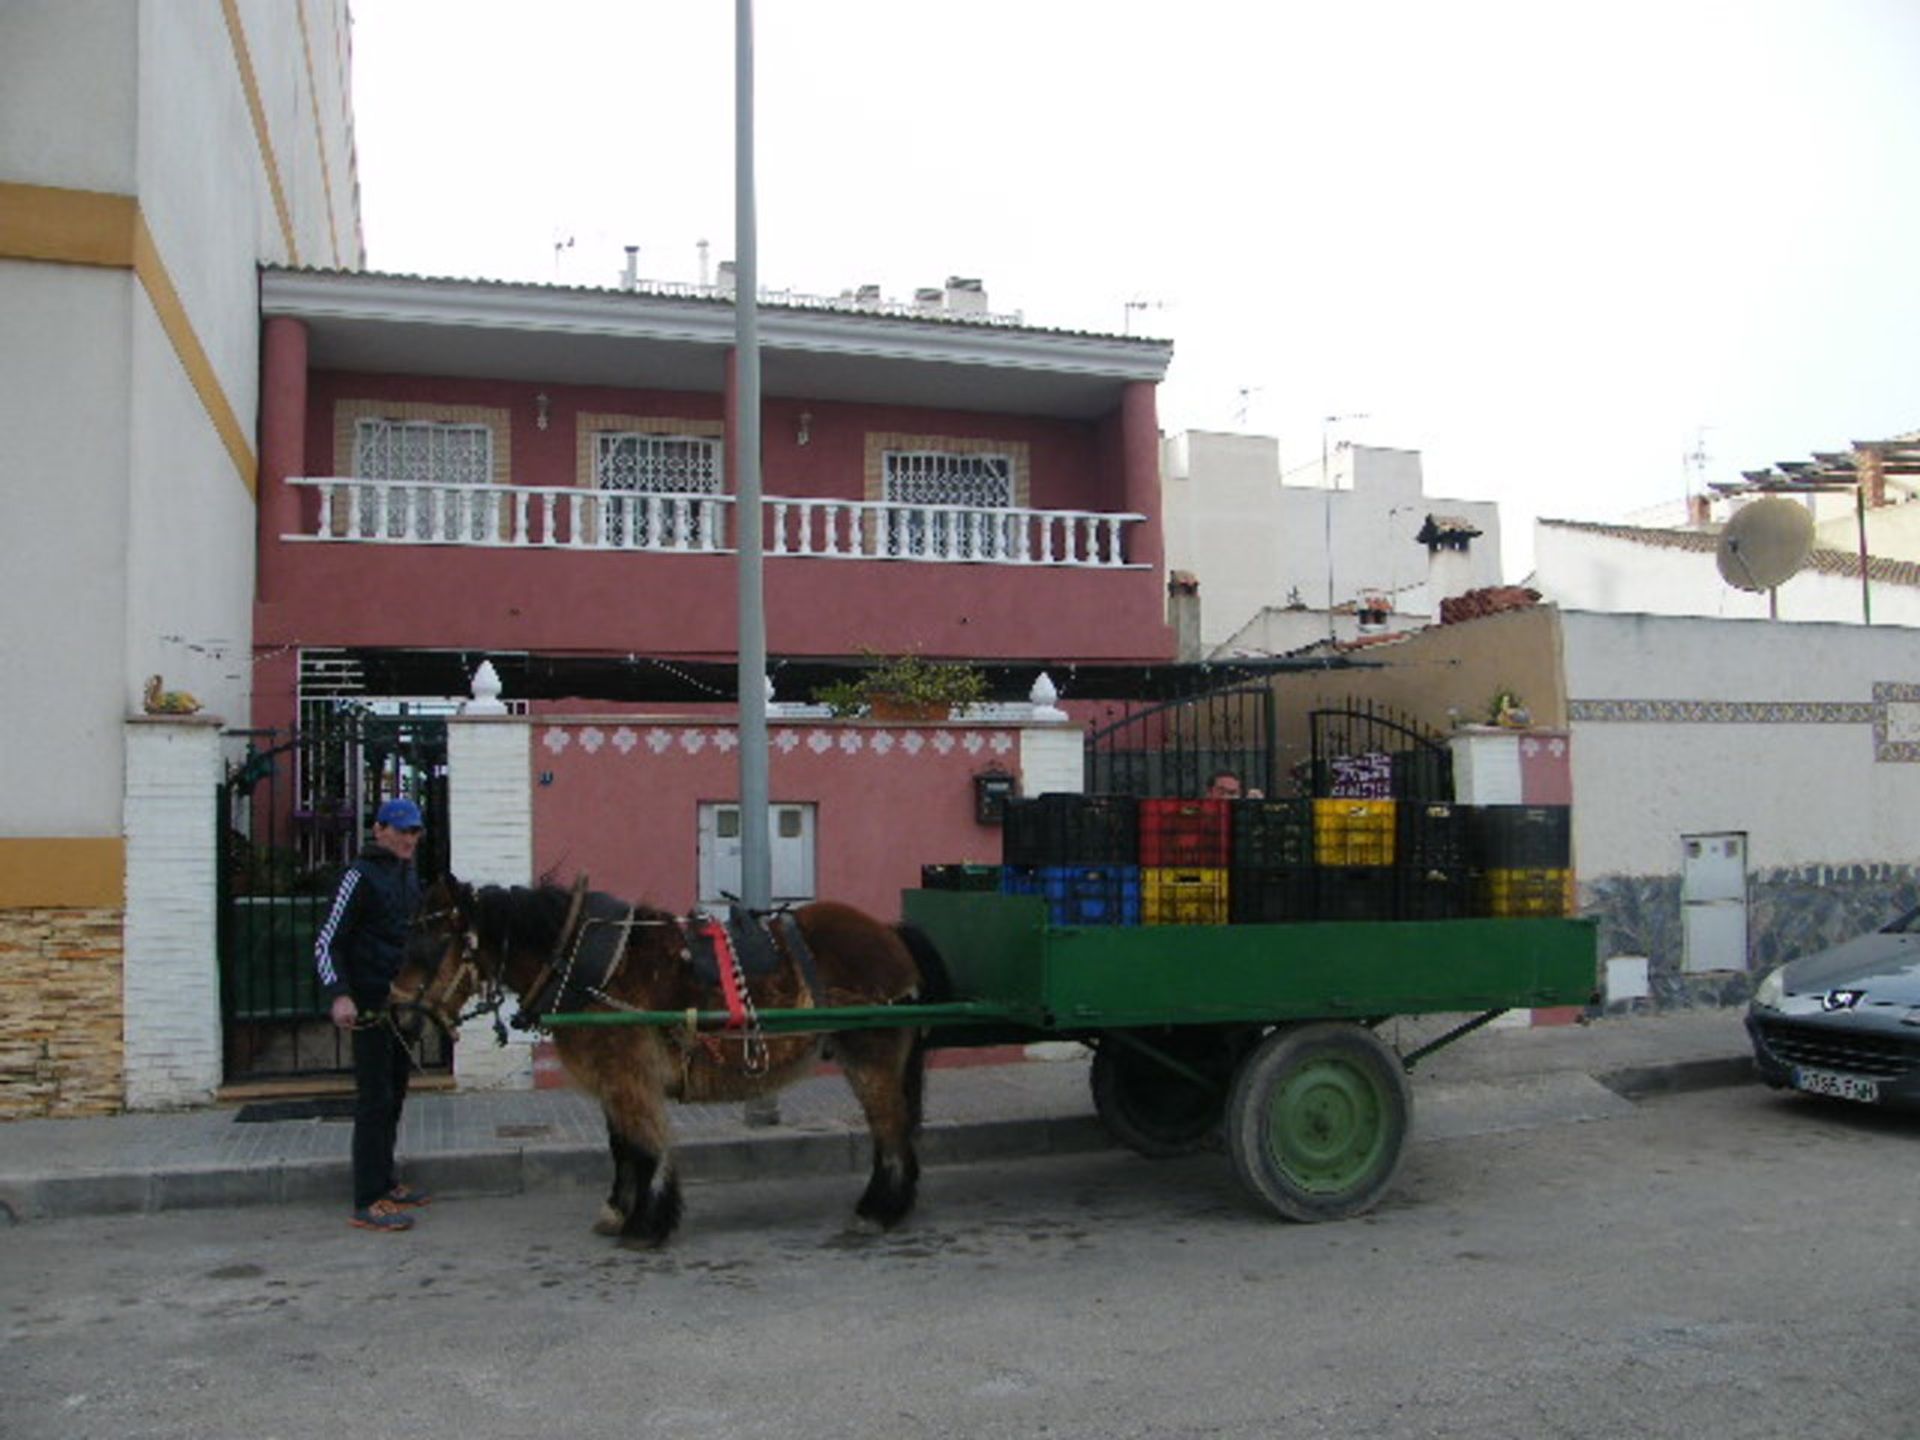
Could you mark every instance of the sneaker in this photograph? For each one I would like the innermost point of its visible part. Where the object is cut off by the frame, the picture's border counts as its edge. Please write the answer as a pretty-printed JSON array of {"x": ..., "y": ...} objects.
[
  {"x": 408, "y": 1198},
  {"x": 382, "y": 1215}
]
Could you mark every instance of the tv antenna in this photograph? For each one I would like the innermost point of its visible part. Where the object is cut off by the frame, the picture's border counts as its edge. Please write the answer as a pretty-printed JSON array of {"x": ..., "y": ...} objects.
[
  {"x": 1240, "y": 410},
  {"x": 1126, "y": 321}
]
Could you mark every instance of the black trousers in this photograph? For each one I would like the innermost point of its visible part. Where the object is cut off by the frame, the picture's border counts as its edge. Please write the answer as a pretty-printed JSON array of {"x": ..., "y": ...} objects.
[{"x": 381, "y": 1066}]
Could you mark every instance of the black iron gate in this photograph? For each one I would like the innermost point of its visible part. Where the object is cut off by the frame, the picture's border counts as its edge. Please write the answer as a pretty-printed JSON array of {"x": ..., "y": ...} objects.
[
  {"x": 1368, "y": 751},
  {"x": 293, "y": 812},
  {"x": 1174, "y": 747}
]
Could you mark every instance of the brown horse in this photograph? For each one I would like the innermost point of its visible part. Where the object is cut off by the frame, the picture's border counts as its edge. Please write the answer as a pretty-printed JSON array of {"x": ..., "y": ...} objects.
[{"x": 469, "y": 940}]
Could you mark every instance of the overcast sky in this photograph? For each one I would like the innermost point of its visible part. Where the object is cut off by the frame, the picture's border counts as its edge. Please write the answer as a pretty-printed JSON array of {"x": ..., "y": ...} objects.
[{"x": 1554, "y": 247}]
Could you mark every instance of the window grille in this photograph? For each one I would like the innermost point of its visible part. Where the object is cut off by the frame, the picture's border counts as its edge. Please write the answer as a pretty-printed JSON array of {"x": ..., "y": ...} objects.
[
  {"x": 425, "y": 452},
  {"x": 940, "y": 477},
  {"x": 656, "y": 465}
]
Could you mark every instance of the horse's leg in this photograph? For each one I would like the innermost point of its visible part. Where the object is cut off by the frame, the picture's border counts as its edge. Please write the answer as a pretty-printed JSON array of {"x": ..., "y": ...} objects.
[
  {"x": 647, "y": 1194},
  {"x": 619, "y": 1201},
  {"x": 884, "y": 1069}
]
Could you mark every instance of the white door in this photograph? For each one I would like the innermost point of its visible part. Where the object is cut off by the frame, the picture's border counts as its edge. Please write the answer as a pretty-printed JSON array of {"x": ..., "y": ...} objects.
[
  {"x": 790, "y": 836},
  {"x": 1713, "y": 901}
]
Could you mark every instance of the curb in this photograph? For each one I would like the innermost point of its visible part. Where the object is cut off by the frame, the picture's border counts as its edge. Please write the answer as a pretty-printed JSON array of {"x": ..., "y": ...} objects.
[{"x": 1632, "y": 1082}]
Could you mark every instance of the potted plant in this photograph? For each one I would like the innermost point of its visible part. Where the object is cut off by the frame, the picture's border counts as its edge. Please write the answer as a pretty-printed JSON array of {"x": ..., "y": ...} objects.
[{"x": 906, "y": 687}]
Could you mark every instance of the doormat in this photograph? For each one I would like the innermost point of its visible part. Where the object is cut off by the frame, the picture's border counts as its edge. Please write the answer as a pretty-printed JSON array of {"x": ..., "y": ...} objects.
[{"x": 330, "y": 1107}]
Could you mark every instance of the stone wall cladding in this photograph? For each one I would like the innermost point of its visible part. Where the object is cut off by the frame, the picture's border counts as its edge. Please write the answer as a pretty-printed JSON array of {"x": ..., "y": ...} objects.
[
  {"x": 60, "y": 1013},
  {"x": 1791, "y": 912}
]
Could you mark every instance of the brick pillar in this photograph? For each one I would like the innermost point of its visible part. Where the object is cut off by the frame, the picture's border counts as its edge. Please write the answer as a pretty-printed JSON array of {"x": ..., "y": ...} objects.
[
  {"x": 283, "y": 437},
  {"x": 490, "y": 814},
  {"x": 171, "y": 973}
]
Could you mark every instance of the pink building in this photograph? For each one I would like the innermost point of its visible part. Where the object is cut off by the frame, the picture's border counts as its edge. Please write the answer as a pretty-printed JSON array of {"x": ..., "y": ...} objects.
[{"x": 453, "y": 471}]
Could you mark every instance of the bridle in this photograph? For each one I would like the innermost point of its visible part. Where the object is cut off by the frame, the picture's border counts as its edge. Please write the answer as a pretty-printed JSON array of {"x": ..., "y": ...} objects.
[{"x": 431, "y": 999}]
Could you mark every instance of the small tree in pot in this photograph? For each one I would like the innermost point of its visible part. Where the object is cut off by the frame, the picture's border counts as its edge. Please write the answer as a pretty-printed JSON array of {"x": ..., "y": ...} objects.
[{"x": 906, "y": 687}]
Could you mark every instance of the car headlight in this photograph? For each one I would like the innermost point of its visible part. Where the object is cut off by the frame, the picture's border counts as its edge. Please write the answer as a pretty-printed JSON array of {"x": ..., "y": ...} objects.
[{"x": 1772, "y": 989}]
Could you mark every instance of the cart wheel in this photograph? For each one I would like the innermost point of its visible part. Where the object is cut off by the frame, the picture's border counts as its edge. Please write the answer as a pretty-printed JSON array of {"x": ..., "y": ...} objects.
[
  {"x": 1155, "y": 1111},
  {"x": 1316, "y": 1120}
]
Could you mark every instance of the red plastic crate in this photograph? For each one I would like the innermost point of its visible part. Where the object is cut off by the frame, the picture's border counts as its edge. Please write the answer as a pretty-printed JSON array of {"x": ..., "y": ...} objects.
[{"x": 1186, "y": 834}]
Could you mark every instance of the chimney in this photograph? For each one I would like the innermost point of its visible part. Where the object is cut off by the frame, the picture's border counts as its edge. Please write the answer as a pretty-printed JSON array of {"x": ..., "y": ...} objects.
[
  {"x": 965, "y": 297},
  {"x": 630, "y": 277},
  {"x": 929, "y": 299},
  {"x": 1183, "y": 614},
  {"x": 702, "y": 247},
  {"x": 1449, "y": 565},
  {"x": 727, "y": 277},
  {"x": 867, "y": 295},
  {"x": 1699, "y": 511}
]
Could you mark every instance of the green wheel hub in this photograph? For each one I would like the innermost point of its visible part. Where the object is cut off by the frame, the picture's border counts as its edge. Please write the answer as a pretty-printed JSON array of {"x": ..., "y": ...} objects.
[{"x": 1328, "y": 1125}]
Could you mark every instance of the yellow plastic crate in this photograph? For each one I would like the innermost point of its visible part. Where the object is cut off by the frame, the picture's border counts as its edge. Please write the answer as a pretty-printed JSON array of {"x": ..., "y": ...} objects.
[
  {"x": 1180, "y": 896},
  {"x": 1347, "y": 833},
  {"x": 1511, "y": 894}
]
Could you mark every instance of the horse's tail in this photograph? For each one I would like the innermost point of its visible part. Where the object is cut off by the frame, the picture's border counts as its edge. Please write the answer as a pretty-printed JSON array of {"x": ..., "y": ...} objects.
[{"x": 936, "y": 986}]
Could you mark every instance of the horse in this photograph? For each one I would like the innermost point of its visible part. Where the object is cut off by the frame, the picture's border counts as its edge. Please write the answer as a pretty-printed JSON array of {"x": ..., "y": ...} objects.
[{"x": 494, "y": 938}]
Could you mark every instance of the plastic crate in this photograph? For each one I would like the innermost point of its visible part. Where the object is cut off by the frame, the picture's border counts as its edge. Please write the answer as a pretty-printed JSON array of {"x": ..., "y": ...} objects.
[
  {"x": 1431, "y": 836},
  {"x": 1513, "y": 893},
  {"x": 1271, "y": 834},
  {"x": 1272, "y": 896},
  {"x": 1431, "y": 895},
  {"x": 1522, "y": 837},
  {"x": 1360, "y": 892},
  {"x": 1349, "y": 833},
  {"x": 1079, "y": 894},
  {"x": 1185, "y": 834},
  {"x": 1071, "y": 830},
  {"x": 960, "y": 877},
  {"x": 1171, "y": 896}
]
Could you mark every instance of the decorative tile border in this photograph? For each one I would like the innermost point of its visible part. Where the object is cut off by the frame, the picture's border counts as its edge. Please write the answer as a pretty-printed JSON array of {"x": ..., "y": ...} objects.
[
  {"x": 1894, "y": 714},
  {"x": 648, "y": 741}
]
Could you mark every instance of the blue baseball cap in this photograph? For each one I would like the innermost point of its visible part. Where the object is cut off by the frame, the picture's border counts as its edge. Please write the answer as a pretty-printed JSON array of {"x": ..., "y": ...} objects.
[{"x": 400, "y": 814}]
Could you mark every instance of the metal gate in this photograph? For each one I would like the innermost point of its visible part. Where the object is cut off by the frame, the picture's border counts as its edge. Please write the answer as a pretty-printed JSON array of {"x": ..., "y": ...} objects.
[
  {"x": 1368, "y": 751},
  {"x": 1173, "y": 747},
  {"x": 293, "y": 812}
]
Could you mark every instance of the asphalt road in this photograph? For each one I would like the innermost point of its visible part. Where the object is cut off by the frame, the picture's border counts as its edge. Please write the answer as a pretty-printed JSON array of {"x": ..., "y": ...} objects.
[{"x": 1724, "y": 1263}]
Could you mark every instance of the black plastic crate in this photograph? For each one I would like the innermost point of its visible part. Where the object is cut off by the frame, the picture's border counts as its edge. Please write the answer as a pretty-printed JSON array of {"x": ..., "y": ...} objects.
[
  {"x": 1272, "y": 834},
  {"x": 1274, "y": 895},
  {"x": 1522, "y": 837},
  {"x": 1072, "y": 830},
  {"x": 1432, "y": 895},
  {"x": 1433, "y": 836},
  {"x": 959, "y": 877},
  {"x": 1358, "y": 892}
]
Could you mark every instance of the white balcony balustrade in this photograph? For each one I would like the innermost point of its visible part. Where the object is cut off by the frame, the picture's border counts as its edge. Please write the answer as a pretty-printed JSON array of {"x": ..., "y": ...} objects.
[{"x": 566, "y": 517}]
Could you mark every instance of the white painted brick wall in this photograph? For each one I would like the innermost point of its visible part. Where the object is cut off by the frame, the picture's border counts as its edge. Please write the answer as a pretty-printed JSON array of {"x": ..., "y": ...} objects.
[
  {"x": 1053, "y": 760},
  {"x": 490, "y": 815},
  {"x": 171, "y": 975}
]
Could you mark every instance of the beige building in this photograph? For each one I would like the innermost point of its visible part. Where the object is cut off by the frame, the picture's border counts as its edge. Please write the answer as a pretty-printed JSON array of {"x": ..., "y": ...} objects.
[{"x": 153, "y": 153}]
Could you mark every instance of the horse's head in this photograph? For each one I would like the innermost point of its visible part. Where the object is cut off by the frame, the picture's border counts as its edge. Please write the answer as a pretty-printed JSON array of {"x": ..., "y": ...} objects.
[{"x": 441, "y": 970}]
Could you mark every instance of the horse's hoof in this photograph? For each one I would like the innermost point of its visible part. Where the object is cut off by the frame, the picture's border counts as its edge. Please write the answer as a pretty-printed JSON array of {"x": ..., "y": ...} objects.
[
  {"x": 866, "y": 1226},
  {"x": 611, "y": 1221},
  {"x": 641, "y": 1244}
]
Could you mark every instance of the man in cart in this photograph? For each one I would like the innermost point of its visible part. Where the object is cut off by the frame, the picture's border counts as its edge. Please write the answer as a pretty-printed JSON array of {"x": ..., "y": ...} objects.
[{"x": 357, "y": 953}]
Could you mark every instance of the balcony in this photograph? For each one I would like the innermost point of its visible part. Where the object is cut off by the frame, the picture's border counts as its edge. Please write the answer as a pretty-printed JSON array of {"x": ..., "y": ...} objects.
[{"x": 567, "y": 517}]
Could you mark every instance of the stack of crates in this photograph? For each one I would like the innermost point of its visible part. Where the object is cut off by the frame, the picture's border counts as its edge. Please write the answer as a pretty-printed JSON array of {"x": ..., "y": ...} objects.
[
  {"x": 1184, "y": 850},
  {"x": 960, "y": 877},
  {"x": 1353, "y": 846},
  {"x": 1431, "y": 860},
  {"x": 1272, "y": 876},
  {"x": 1523, "y": 860},
  {"x": 1080, "y": 853}
]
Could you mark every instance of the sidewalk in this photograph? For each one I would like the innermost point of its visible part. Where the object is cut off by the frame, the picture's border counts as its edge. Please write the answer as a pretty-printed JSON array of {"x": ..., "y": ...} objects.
[{"x": 512, "y": 1142}]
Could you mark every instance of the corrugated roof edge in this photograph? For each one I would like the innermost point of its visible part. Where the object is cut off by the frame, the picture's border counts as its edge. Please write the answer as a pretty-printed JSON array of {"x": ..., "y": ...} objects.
[{"x": 1846, "y": 563}]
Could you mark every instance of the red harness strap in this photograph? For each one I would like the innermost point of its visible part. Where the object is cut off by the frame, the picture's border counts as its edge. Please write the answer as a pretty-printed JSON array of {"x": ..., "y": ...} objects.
[{"x": 716, "y": 934}]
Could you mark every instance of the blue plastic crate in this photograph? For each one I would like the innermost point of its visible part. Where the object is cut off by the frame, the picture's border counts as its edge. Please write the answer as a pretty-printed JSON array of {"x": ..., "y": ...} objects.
[{"x": 1079, "y": 894}]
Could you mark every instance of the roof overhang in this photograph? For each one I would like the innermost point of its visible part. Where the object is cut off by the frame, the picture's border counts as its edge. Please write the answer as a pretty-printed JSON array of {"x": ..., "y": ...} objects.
[{"x": 393, "y": 324}]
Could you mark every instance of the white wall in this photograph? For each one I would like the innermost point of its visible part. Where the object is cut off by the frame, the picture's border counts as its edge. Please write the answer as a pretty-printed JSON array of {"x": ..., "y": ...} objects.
[
  {"x": 1787, "y": 732},
  {"x": 68, "y": 88},
  {"x": 1658, "y": 572},
  {"x": 1256, "y": 539}
]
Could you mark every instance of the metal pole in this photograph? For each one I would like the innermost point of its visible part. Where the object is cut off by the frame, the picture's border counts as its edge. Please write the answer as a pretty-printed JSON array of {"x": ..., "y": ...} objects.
[
  {"x": 756, "y": 867},
  {"x": 1860, "y": 520}
]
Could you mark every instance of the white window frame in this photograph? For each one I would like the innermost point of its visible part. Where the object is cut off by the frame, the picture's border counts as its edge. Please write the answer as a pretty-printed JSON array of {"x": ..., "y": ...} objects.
[
  {"x": 374, "y": 439},
  {"x": 662, "y": 474},
  {"x": 984, "y": 480}
]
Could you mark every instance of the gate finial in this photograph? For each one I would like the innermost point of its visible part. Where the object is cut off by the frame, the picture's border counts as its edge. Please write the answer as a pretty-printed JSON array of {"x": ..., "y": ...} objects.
[
  {"x": 1042, "y": 697},
  {"x": 486, "y": 692}
]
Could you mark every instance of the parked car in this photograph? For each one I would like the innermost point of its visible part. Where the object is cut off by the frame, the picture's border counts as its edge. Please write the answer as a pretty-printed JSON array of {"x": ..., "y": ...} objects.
[{"x": 1845, "y": 1022}]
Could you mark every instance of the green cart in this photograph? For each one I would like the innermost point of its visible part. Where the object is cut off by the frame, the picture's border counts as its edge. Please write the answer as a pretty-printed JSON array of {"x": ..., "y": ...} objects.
[{"x": 1259, "y": 1036}]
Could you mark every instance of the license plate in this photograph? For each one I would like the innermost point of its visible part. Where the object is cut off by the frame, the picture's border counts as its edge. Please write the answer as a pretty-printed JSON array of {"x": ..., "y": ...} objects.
[{"x": 1841, "y": 1087}]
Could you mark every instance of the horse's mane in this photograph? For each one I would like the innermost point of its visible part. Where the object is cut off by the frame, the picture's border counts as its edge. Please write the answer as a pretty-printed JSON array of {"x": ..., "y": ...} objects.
[{"x": 530, "y": 917}]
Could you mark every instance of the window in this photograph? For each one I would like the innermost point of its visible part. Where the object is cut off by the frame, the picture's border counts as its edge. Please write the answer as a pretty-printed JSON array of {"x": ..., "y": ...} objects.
[
  {"x": 657, "y": 465},
  {"x": 977, "y": 482},
  {"x": 428, "y": 452}
]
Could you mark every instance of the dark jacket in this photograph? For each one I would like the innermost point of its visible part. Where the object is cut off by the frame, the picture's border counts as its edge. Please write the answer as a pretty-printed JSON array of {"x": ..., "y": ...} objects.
[{"x": 364, "y": 938}]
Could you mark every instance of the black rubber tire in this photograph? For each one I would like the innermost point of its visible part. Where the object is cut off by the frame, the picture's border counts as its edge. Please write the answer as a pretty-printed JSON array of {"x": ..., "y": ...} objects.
[
  {"x": 1154, "y": 1111},
  {"x": 1318, "y": 1119}
]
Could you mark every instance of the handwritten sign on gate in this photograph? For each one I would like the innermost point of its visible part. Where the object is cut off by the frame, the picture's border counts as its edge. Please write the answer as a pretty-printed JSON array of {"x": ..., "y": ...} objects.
[{"x": 1363, "y": 777}]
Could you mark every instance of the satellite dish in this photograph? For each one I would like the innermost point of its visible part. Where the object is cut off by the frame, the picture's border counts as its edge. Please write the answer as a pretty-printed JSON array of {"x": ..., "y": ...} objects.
[{"x": 1765, "y": 543}]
